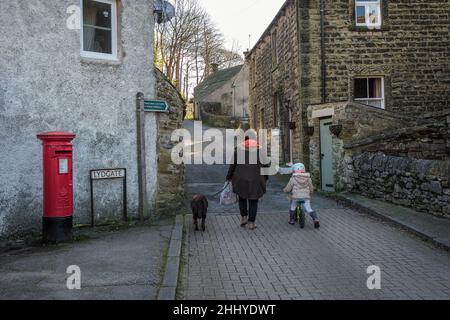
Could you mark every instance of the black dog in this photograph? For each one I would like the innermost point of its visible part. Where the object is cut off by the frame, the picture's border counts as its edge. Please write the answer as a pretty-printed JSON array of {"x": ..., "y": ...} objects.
[{"x": 199, "y": 206}]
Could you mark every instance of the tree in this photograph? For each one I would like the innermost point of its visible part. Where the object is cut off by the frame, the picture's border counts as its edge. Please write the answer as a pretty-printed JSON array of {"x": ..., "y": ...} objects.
[{"x": 187, "y": 45}]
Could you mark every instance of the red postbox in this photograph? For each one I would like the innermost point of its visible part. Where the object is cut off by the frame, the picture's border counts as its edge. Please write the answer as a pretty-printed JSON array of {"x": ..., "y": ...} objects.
[{"x": 58, "y": 186}]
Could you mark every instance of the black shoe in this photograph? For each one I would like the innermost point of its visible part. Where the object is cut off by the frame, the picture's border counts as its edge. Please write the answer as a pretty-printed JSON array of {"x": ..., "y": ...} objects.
[
  {"x": 316, "y": 224},
  {"x": 292, "y": 217},
  {"x": 302, "y": 220}
]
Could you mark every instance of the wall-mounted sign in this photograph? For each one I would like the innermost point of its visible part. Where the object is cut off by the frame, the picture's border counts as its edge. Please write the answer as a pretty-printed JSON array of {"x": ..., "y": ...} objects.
[
  {"x": 108, "y": 174},
  {"x": 105, "y": 174},
  {"x": 156, "y": 106}
]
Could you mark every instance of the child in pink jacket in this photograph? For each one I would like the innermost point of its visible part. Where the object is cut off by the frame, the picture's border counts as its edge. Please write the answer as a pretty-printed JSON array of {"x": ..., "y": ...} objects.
[{"x": 301, "y": 189}]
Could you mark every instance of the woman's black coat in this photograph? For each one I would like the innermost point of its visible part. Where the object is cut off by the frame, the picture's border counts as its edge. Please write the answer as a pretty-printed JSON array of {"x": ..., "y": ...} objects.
[{"x": 248, "y": 183}]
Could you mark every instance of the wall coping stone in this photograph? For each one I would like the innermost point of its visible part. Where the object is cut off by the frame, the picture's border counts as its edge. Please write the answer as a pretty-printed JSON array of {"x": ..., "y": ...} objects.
[{"x": 394, "y": 134}]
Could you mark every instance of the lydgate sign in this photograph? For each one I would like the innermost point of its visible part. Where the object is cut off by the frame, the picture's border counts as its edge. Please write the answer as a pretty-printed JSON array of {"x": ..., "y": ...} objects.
[{"x": 108, "y": 174}]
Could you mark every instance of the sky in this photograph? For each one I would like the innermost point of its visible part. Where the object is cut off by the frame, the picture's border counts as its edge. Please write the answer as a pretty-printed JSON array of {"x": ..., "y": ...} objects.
[{"x": 237, "y": 19}]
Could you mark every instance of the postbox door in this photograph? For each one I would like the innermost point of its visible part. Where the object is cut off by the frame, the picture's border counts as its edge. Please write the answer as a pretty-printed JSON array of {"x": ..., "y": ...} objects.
[
  {"x": 61, "y": 185},
  {"x": 65, "y": 192}
]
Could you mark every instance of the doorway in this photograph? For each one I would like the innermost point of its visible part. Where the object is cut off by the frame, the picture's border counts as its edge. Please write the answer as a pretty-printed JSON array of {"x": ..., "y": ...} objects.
[{"x": 326, "y": 155}]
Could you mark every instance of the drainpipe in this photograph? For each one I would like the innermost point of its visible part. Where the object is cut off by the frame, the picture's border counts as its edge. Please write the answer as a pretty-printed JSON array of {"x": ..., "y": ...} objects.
[
  {"x": 233, "y": 95},
  {"x": 291, "y": 140},
  {"x": 322, "y": 49}
]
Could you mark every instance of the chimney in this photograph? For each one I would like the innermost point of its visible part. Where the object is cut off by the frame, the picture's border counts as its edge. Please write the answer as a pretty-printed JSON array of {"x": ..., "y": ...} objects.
[{"x": 214, "y": 67}]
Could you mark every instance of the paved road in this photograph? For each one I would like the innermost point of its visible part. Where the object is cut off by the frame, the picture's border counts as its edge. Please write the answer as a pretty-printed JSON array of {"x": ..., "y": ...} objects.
[
  {"x": 116, "y": 265},
  {"x": 279, "y": 261}
]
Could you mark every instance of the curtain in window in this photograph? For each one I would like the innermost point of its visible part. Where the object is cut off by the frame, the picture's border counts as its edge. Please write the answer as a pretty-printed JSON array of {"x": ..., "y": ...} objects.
[
  {"x": 373, "y": 13},
  {"x": 90, "y": 18},
  {"x": 375, "y": 88}
]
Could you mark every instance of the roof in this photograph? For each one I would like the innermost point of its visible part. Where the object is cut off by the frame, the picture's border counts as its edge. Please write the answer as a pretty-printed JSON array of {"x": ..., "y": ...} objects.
[{"x": 215, "y": 81}]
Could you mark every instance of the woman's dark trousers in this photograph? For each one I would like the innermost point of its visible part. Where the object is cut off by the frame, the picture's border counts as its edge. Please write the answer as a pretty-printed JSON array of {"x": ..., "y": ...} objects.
[{"x": 248, "y": 208}]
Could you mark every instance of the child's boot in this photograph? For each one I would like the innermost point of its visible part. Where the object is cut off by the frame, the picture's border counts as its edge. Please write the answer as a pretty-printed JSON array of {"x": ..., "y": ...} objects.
[
  {"x": 315, "y": 219},
  {"x": 291, "y": 217}
]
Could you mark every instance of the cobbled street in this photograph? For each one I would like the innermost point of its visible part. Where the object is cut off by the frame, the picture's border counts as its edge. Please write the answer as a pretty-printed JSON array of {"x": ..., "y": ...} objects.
[{"x": 279, "y": 261}]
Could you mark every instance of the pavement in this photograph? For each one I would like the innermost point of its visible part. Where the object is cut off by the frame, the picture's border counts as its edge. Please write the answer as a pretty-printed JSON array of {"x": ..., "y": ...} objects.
[
  {"x": 429, "y": 227},
  {"x": 124, "y": 264},
  {"x": 279, "y": 261}
]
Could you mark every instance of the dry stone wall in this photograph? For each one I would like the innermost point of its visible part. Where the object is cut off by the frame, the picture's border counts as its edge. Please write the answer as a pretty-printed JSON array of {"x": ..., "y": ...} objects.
[{"x": 170, "y": 187}]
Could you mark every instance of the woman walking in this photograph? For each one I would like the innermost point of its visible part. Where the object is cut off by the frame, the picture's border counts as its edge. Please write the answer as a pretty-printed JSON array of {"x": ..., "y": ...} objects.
[{"x": 248, "y": 183}]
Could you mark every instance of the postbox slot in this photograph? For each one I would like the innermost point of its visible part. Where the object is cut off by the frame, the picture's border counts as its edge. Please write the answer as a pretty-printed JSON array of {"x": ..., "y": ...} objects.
[{"x": 63, "y": 152}]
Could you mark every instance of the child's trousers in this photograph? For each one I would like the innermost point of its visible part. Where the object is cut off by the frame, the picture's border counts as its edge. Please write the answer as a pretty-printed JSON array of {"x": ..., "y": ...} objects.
[{"x": 306, "y": 206}]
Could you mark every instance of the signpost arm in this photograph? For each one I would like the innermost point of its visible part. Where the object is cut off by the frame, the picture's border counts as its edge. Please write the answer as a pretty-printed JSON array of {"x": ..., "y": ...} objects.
[{"x": 142, "y": 168}]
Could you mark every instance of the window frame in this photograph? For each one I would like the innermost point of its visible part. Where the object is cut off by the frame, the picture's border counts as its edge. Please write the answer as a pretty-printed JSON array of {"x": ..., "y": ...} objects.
[
  {"x": 274, "y": 47},
  {"x": 253, "y": 71},
  {"x": 277, "y": 110},
  {"x": 383, "y": 95},
  {"x": 114, "y": 34},
  {"x": 366, "y": 4}
]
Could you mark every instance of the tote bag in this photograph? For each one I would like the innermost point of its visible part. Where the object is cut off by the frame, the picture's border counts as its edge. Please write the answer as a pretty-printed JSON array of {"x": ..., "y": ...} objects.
[{"x": 227, "y": 196}]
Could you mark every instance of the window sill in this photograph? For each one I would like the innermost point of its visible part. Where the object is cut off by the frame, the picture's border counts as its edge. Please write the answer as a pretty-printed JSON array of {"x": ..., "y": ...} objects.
[
  {"x": 367, "y": 29},
  {"x": 108, "y": 62}
]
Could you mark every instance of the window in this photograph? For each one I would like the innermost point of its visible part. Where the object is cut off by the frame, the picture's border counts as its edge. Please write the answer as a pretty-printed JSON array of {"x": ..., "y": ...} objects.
[
  {"x": 253, "y": 72},
  {"x": 99, "y": 33},
  {"x": 368, "y": 13},
  {"x": 370, "y": 91},
  {"x": 276, "y": 111},
  {"x": 261, "y": 119},
  {"x": 274, "y": 49}
]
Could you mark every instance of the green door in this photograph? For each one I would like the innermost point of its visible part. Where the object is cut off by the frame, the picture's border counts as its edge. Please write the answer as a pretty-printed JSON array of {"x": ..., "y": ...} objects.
[{"x": 326, "y": 162}]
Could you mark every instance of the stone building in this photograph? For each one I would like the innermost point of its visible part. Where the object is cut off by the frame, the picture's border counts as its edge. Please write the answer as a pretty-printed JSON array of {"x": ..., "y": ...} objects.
[
  {"x": 275, "y": 82},
  {"x": 223, "y": 93},
  {"x": 74, "y": 66},
  {"x": 354, "y": 68}
]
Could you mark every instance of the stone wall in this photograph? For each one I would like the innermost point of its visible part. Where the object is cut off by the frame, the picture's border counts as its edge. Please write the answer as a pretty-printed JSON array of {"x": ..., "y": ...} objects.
[
  {"x": 420, "y": 184},
  {"x": 213, "y": 108},
  {"x": 409, "y": 166},
  {"x": 211, "y": 115},
  {"x": 45, "y": 85},
  {"x": 387, "y": 156},
  {"x": 420, "y": 142},
  {"x": 170, "y": 188}
]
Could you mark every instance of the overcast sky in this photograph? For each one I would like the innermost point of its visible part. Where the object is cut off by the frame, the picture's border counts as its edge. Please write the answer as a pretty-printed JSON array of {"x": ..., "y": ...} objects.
[{"x": 237, "y": 19}]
